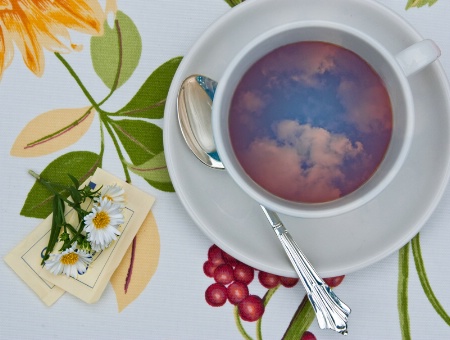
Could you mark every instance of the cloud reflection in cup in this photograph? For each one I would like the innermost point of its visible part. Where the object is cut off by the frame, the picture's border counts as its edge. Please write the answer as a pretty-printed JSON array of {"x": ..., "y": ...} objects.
[{"x": 310, "y": 122}]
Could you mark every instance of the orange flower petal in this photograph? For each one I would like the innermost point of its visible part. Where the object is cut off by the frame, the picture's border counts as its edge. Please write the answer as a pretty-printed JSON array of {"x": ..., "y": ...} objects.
[
  {"x": 22, "y": 33},
  {"x": 80, "y": 15},
  {"x": 5, "y": 4},
  {"x": 6, "y": 50},
  {"x": 2, "y": 51},
  {"x": 37, "y": 24}
]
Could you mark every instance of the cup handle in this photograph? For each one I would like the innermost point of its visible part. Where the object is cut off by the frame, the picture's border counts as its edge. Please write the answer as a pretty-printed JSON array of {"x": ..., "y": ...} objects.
[{"x": 417, "y": 56}]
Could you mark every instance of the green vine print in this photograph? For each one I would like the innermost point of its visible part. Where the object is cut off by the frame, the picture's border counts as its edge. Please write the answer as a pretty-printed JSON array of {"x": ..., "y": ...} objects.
[{"x": 115, "y": 55}]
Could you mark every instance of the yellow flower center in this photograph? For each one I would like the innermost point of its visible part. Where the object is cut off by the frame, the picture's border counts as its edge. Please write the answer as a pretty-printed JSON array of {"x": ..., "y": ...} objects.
[
  {"x": 69, "y": 259},
  {"x": 109, "y": 198},
  {"x": 101, "y": 220}
]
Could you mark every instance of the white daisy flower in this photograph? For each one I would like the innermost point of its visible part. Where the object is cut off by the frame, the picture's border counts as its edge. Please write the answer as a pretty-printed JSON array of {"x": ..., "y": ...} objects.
[
  {"x": 112, "y": 193},
  {"x": 102, "y": 223},
  {"x": 70, "y": 262}
]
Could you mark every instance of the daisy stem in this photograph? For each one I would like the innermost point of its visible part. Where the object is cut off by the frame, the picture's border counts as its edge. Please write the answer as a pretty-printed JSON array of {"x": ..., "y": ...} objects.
[
  {"x": 71, "y": 228},
  {"x": 49, "y": 186},
  {"x": 77, "y": 233},
  {"x": 58, "y": 220}
]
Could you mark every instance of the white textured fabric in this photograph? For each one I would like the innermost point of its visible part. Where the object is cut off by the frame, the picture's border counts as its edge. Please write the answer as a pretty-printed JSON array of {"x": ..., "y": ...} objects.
[{"x": 173, "y": 306}]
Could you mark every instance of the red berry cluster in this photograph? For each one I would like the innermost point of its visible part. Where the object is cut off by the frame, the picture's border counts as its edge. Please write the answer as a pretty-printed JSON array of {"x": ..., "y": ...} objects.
[{"x": 232, "y": 278}]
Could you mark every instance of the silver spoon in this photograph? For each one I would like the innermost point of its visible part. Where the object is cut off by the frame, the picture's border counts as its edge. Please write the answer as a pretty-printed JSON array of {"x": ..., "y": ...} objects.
[{"x": 194, "y": 104}]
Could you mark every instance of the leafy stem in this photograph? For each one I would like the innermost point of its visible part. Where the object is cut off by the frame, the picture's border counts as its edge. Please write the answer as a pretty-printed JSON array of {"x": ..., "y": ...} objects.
[
  {"x": 420, "y": 3},
  {"x": 50, "y": 186},
  {"x": 301, "y": 321},
  {"x": 86, "y": 92},
  {"x": 420, "y": 266},
  {"x": 78, "y": 196},
  {"x": 119, "y": 64},
  {"x": 233, "y": 3},
  {"x": 106, "y": 122},
  {"x": 402, "y": 291},
  {"x": 102, "y": 113},
  {"x": 80, "y": 83},
  {"x": 239, "y": 325},
  {"x": 266, "y": 300}
]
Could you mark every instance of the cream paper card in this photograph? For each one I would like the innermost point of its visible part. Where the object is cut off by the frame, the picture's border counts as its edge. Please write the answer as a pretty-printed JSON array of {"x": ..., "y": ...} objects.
[{"x": 25, "y": 259}]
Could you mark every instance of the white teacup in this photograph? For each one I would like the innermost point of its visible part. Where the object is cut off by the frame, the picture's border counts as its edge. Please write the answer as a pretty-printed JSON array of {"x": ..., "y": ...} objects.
[{"x": 393, "y": 70}]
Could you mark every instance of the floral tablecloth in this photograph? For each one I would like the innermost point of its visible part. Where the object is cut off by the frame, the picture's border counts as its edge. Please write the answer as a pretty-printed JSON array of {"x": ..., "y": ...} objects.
[{"x": 82, "y": 85}]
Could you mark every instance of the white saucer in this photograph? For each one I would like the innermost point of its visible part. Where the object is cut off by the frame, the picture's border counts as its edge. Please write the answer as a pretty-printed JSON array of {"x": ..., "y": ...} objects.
[{"x": 336, "y": 245}]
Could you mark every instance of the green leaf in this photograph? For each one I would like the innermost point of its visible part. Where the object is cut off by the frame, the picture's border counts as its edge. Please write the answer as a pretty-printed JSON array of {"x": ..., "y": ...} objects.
[
  {"x": 402, "y": 291},
  {"x": 167, "y": 187},
  {"x": 155, "y": 169},
  {"x": 420, "y": 267},
  {"x": 420, "y": 3},
  {"x": 117, "y": 51},
  {"x": 150, "y": 99},
  {"x": 142, "y": 141},
  {"x": 233, "y": 3},
  {"x": 81, "y": 164},
  {"x": 74, "y": 180}
]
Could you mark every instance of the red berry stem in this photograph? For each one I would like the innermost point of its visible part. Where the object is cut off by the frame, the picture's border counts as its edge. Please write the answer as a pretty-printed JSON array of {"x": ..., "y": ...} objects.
[
  {"x": 301, "y": 321},
  {"x": 266, "y": 298},
  {"x": 239, "y": 325}
]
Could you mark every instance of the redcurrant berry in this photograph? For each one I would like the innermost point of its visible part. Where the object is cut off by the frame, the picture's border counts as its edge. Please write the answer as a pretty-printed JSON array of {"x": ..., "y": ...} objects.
[
  {"x": 244, "y": 273},
  {"x": 216, "y": 295},
  {"x": 223, "y": 274},
  {"x": 237, "y": 291},
  {"x": 251, "y": 308},
  {"x": 334, "y": 281},
  {"x": 229, "y": 259},
  {"x": 288, "y": 281},
  {"x": 209, "y": 268},
  {"x": 308, "y": 336},
  {"x": 268, "y": 280},
  {"x": 215, "y": 255}
]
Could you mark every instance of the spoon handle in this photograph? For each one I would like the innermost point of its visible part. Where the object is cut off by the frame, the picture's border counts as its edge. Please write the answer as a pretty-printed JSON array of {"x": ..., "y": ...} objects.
[{"x": 330, "y": 311}]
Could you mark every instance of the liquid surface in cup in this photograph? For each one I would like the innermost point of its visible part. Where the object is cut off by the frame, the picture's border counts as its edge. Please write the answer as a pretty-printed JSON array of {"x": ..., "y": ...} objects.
[{"x": 310, "y": 122}]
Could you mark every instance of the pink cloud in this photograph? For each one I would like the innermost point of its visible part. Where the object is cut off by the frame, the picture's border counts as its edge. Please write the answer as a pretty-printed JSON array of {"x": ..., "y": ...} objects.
[
  {"x": 302, "y": 164},
  {"x": 304, "y": 69},
  {"x": 368, "y": 108},
  {"x": 251, "y": 101},
  {"x": 249, "y": 104}
]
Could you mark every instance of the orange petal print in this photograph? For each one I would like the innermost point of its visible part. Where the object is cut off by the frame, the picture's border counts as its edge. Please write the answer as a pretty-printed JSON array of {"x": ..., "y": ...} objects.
[
  {"x": 52, "y": 131},
  {"x": 37, "y": 24},
  {"x": 138, "y": 265}
]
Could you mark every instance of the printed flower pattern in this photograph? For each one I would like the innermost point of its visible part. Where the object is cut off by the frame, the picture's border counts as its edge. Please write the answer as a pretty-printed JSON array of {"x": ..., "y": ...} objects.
[
  {"x": 38, "y": 25},
  {"x": 33, "y": 25}
]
